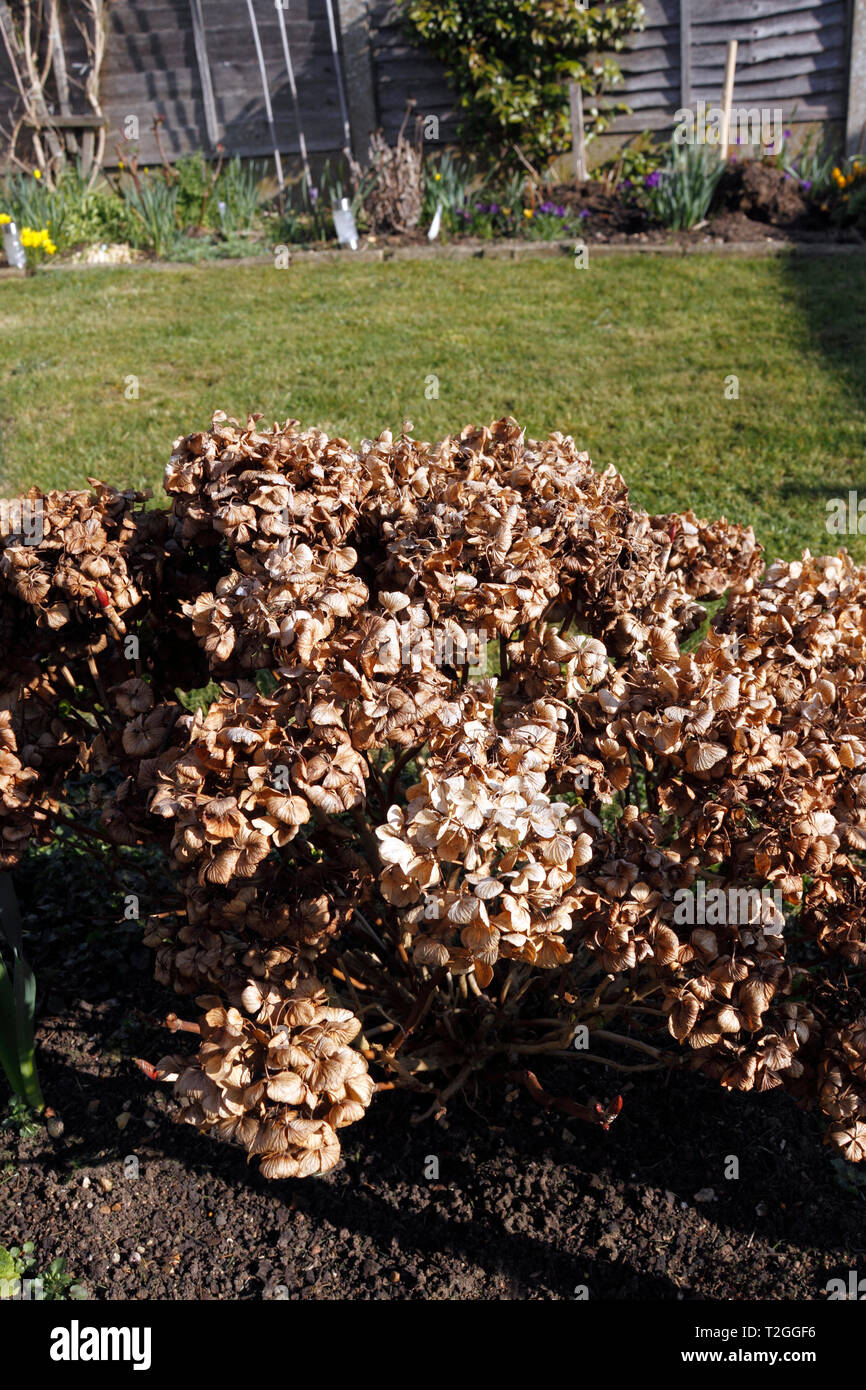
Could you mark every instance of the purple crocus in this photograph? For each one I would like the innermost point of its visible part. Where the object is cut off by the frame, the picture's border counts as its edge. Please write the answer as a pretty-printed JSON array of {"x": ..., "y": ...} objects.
[
  {"x": 653, "y": 180},
  {"x": 584, "y": 212},
  {"x": 805, "y": 184}
]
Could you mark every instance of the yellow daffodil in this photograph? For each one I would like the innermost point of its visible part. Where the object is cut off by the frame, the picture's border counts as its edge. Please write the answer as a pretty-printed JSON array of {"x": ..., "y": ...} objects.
[
  {"x": 37, "y": 173},
  {"x": 34, "y": 240},
  {"x": 527, "y": 212},
  {"x": 4, "y": 218}
]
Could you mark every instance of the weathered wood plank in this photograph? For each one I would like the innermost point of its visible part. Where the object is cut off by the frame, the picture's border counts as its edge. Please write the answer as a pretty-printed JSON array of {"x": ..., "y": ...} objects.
[
  {"x": 829, "y": 42},
  {"x": 736, "y": 12},
  {"x": 799, "y": 22},
  {"x": 782, "y": 67},
  {"x": 668, "y": 96},
  {"x": 706, "y": 85},
  {"x": 685, "y": 53},
  {"x": 831, "y": 108},
  {"x": 647, "y": 82}
]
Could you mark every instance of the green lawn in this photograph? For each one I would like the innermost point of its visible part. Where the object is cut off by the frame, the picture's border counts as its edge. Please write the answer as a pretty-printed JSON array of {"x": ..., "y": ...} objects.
[{"x": 629, "y": 356}]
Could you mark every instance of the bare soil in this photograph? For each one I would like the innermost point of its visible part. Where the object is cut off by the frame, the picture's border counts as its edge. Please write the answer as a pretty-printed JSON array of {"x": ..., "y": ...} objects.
[
  {"x": 499, "y": 1200},
  {"x": 757, "y": 202}
]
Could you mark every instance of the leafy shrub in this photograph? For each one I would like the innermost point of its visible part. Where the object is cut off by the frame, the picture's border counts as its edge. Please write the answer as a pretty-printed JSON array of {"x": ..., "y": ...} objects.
[
  {"x": 100, "y": 217},
  {"x": 392, "y": 867},
  {"x": 509, "y": 62},
  {"x": 638, "y": 158},
  {"x": 222, "y": 197},
  {"x": 194, "y": 181}
]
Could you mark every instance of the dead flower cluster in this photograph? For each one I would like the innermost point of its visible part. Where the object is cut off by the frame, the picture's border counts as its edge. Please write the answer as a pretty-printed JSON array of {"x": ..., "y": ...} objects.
[
  {"x": 392, "y": 185},
  {"x": 277, "y": 1075},
  {"x": 633, "y": 836}
]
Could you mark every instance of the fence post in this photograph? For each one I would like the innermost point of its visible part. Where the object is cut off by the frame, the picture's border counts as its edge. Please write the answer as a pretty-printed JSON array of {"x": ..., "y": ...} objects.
[
  {"x": 578, "y": 132},
  {"x": 685, "y": 54},
  {"x": 354, "y": 17},
  {"x": 855, "y": 125}
]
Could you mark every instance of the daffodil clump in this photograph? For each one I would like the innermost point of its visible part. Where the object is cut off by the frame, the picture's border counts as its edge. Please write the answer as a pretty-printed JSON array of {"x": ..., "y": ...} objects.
[{"x": 37, "y": 242}]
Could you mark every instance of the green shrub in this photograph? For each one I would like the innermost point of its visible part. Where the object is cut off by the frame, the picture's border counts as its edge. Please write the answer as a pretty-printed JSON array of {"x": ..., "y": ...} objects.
[
  {"x": 636, "y": 160},
  {"x": 509, "y": 62},
  {"x": 193, "y": 181},
  {"x": 101, "y": 216}
]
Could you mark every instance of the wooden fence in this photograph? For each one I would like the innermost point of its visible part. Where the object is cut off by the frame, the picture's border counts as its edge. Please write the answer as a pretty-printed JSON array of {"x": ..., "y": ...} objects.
[
  {"x": 793, "y": 54},
  {"x": 803, "y": 56}
]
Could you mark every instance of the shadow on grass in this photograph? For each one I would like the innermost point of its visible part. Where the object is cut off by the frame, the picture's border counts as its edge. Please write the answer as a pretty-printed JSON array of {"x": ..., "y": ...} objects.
[
  {"x": 829, "y": 294},
  {"x": 824, "y": 288}
]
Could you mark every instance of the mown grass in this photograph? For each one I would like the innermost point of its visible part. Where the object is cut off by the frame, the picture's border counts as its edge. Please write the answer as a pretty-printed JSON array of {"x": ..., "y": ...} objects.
[{"x": 630, "y": 356}]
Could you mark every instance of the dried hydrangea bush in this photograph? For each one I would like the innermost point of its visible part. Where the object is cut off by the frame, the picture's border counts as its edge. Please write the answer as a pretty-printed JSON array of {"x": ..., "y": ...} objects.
[{"x": 396, "y": 868}]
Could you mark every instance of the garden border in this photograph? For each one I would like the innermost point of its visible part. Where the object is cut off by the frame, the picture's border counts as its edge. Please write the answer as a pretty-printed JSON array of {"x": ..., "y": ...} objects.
[{"x": 494, "y": 250}]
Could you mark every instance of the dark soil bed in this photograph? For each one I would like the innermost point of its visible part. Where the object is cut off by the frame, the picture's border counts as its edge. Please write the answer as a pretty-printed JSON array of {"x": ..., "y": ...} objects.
[
  {"x": 525, "y": 1204},
  {"x": 756, "y": 202}
]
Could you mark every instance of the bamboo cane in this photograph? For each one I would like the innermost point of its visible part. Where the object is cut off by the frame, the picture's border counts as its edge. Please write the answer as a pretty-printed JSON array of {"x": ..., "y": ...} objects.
[
  {"x": 341, "y": 88},
  {"x": 266, "y": 92},
  {"x": 302, "y": 142},
  {"x": 727, "y": 97}
]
